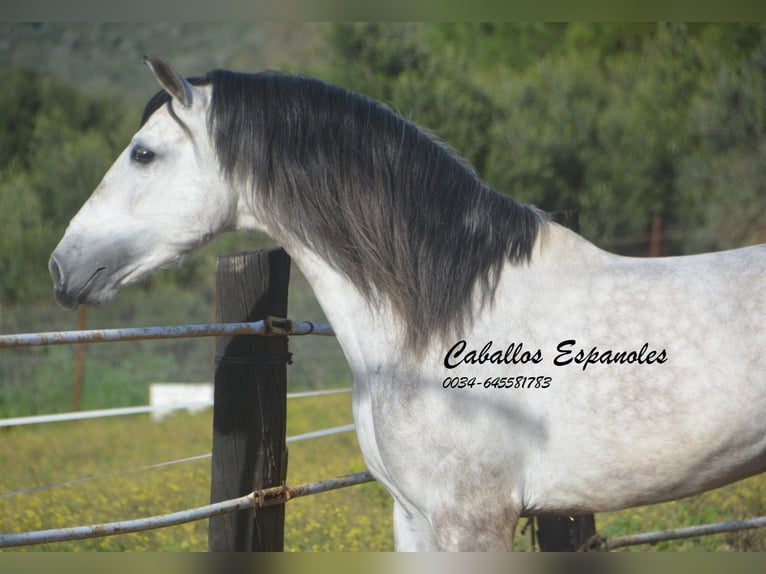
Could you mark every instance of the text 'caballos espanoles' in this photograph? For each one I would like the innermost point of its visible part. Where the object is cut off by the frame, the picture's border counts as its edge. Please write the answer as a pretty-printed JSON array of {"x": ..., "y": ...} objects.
[{"x": 568, "y": 352}]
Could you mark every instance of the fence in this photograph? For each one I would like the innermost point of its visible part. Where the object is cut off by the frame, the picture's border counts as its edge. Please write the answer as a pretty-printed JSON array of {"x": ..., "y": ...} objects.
[{"x": 250, "y": 380}]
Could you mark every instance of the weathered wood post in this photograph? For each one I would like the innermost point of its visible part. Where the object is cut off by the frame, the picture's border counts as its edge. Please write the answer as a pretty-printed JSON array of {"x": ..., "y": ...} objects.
[
  {"x": 564, "y": 533},
  {"x": 249, "y": 413}
]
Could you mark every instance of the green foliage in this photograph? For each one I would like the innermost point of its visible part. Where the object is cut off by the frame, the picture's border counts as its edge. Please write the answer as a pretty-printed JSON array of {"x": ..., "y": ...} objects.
[
  {"x": 19, "y": 103},
  {"x": 24, "y": 239},
  {"x": 728, "y": 122},
  {"x": 604, "y": 137},
  {"x": 55, "y": 145},
  {"x": 617, "y": 120},
  {"x": 394, "y": 64}
]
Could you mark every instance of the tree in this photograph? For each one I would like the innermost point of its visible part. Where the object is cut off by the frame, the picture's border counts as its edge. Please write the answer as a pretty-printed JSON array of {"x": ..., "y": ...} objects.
[
  {"x": 55, "y": 145},
  {"x": 724, "y": 179},
  {"x": 619, "y": 121},
  {"x": 395, "y": 64}
]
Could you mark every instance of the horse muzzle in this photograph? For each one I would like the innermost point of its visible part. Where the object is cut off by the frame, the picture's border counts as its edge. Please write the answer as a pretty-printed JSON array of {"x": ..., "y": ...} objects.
[
  {"x": 70, "y": 290},
  {"x": 84, "y": 276}
]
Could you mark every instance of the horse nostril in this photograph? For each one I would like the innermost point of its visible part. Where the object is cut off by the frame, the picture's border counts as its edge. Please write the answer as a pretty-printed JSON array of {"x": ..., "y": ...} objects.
[{"x": 55, "y": 271}]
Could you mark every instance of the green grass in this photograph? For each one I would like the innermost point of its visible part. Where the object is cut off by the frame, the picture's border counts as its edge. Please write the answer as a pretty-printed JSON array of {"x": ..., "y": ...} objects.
[
  {"x": 742, "y": 500},
  {"x": 356, "y": 518},
  {"x": 351, "y": 519}
]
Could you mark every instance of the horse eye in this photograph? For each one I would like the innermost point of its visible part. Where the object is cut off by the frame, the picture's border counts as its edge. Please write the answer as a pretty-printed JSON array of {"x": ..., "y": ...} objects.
[{"x": 140, "y": 154}]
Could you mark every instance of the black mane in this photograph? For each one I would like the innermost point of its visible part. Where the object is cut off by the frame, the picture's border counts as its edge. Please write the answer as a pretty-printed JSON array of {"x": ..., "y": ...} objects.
[{"x": 387, "y": 205}]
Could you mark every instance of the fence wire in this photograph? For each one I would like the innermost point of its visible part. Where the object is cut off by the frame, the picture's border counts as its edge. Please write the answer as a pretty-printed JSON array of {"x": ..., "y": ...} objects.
[
  {"x": 144, "y": 409},
  {"x": 296, "y": 438}
]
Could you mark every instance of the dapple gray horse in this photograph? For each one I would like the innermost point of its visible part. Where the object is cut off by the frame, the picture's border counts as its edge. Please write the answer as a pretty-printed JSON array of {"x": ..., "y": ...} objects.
[{"x": 503, "y": 366}]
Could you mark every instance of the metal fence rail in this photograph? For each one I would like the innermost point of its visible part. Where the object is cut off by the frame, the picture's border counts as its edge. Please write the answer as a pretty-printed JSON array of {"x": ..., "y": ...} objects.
[
  {"x": 277, "y": 495},
  {"x": 282, "y": 494},
  {"x": 256, "y": 499},
  {"x": 144, "y": 409},
  {"x": 269, "y": 326},
  {"x": 260, "y": 498},
  {"x": 678, "y": 533}
]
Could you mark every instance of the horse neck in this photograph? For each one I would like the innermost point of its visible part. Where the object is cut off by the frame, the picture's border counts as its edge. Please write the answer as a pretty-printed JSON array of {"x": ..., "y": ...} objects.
[
  {"x": 370, "y": 334},
  {"x": 367, "y": 331}
]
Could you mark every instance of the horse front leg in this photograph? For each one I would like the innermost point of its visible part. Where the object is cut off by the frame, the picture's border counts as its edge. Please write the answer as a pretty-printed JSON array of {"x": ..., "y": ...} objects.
[
  {"x": 412, "y": 531},
  {"x": 489, "y": 528}
]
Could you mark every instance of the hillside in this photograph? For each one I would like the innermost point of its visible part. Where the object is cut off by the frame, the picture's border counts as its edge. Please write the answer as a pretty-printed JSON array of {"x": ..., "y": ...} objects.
[{"x": 97, "y": 55}]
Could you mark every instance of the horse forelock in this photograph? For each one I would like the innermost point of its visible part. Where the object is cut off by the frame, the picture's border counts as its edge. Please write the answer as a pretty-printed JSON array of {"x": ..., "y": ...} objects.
[{"x": 395, "y": 211}]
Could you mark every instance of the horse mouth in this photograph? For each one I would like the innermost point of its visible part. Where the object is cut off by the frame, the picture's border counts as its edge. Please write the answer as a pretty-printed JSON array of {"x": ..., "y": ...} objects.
[{"x": 84, "y": 295}]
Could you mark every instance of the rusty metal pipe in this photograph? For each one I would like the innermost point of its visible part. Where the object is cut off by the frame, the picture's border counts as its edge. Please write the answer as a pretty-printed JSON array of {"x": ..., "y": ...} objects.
[
  {"x": 257, "y": 499},
  {"x": 270, "y": 326}
]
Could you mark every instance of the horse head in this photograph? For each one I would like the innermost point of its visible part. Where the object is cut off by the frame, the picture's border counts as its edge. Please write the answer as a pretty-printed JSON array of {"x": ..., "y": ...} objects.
[{"x": 162, "y": 198}]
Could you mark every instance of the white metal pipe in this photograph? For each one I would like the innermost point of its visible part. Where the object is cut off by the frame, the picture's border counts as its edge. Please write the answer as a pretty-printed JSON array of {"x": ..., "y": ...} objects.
[
  {"x": 120, "y": 411},
  {"x": 97, "y": 413},
  {"x": 267, "y": 327},
  {"x": 320, "y": 433},
  {"x": 303, "y": 394}
]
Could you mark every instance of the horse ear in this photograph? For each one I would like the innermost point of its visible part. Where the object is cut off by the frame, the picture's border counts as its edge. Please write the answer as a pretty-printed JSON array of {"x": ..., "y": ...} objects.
[{"x": 173, "y": 82}]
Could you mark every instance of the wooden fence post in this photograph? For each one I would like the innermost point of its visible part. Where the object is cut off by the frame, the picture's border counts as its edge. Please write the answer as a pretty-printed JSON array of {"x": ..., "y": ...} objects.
[
  {"x": 249, "y": 411},
  {"x": 564, "y": 533}
]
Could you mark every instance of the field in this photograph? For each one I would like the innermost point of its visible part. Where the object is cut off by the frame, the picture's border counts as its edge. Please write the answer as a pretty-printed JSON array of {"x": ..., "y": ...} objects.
[{"x": 356, "y": 518}]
